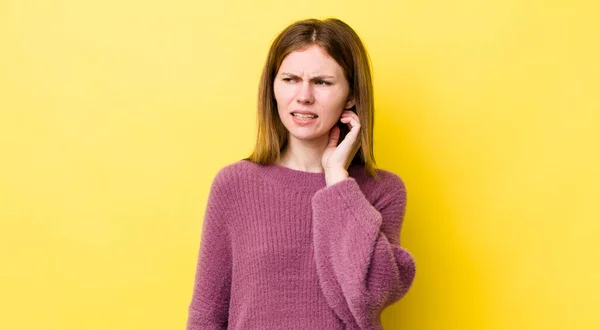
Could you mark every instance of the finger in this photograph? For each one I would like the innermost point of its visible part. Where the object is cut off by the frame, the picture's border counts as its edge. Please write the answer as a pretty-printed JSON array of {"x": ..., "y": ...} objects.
[
  {"x": 334, "y": 136},
  {"x": 354, "y": 125},
  {"x": 346, "y": 120},
  {"x": 350, "y": 121},
  {"x": 350, "y": 114}
]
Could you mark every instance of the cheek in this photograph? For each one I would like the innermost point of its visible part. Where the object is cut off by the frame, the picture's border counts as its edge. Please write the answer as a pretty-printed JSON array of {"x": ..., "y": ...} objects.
[
  {"x": 334, "y": 99},
  {"x": 283, "y": 94}
]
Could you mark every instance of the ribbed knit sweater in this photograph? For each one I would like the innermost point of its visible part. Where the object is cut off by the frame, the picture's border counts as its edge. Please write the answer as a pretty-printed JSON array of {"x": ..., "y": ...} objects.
[{"x": 281, "y": 250}]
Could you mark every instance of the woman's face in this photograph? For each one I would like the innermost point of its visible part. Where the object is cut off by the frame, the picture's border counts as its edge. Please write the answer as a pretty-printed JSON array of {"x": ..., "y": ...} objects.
[{"x": 311, "y": 81}]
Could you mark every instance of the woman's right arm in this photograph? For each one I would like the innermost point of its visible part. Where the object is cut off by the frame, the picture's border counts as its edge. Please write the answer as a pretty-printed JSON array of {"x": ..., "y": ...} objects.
[{"x": 209, "y": 308}]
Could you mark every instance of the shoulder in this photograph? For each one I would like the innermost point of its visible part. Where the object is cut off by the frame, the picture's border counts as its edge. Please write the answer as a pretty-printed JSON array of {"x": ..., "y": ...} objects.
[
  {"x": 386, "y": 181},
  {"x": 225, "y": 187},
  {"x": 389, "y": 194},
  {"x": 388, "y": 189},
  {"x": 390, "y": 181},
  {"x": 230, "y": 176}
]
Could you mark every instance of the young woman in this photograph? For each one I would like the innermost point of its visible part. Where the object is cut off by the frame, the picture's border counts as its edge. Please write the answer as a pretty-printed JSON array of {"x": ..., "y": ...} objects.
[{"x": 305, "y": 232}]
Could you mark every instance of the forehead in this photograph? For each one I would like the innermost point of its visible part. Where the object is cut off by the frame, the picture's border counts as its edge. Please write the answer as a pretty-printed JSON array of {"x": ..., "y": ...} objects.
[{"x": 311, "y": 60}]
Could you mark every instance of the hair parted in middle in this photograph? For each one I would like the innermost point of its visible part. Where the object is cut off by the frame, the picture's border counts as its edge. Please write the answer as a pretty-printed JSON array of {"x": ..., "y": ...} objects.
[{"x": 340, "y": 42}]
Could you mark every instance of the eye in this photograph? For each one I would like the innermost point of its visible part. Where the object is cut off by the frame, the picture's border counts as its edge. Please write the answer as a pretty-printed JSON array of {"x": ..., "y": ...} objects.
[
  {"x": 288, "y": 79},
  {"x": 323, "y": 82}
]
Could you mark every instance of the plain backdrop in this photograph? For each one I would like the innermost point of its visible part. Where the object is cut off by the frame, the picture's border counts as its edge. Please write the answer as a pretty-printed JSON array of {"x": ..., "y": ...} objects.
[{"x": 115, "y": 116}]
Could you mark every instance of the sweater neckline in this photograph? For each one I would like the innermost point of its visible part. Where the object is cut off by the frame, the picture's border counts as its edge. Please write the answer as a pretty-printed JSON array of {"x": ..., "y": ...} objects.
[{"x": 295, "y": 179}]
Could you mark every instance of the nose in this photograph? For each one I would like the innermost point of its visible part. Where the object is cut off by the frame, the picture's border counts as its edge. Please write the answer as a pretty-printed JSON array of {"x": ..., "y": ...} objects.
[{"x": 305, "y": 94}]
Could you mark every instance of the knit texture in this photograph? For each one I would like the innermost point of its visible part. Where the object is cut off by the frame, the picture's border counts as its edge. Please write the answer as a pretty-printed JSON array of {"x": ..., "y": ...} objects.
[{"x": 281, "y": 250}]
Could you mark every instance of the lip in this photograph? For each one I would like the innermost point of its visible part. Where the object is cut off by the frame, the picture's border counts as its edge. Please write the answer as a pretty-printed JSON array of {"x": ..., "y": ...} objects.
[
  {"x": 304, "y": 112},
  {"x": 303, "y": 122}
]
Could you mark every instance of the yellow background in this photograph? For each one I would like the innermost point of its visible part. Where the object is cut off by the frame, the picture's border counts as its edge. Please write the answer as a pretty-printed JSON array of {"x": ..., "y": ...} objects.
[{"x": 115, "y": 116}]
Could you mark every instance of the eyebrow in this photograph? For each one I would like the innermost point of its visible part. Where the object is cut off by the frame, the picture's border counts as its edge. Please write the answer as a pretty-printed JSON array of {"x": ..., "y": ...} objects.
[{"x": 312, "y": 78}]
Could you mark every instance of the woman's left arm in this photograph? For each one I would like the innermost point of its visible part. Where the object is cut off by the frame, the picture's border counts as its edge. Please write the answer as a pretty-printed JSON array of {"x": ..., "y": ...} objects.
[{"x": 361, "y": 266}]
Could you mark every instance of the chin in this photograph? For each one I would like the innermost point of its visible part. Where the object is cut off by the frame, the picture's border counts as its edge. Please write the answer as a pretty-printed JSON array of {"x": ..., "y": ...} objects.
[
  {"x": 305, "y": 136},
  {"x": 307, "y": 133}
]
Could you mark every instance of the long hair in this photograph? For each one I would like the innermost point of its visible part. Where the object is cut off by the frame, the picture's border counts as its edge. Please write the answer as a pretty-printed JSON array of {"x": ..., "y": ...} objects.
[{"x": 342, "y": 43}]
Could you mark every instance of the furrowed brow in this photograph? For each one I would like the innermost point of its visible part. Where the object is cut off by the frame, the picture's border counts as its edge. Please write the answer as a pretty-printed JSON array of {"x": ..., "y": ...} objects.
[
  {"x": 289, "y": 74},
  {"x": 322, "y": 77},
  {"x": 312, "y": 78}
]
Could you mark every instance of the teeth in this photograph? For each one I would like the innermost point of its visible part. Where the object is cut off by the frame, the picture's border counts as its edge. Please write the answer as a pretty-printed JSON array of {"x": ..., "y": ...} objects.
[{"x": 303, "y": 116}]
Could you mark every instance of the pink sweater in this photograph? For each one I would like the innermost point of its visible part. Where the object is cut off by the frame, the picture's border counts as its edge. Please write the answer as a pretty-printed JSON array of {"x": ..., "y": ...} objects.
[{"x": 281, "y": 250}]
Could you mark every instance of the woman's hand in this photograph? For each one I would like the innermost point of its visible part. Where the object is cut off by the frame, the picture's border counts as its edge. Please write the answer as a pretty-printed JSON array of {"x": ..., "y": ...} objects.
[{"x": 337, "y": 158}]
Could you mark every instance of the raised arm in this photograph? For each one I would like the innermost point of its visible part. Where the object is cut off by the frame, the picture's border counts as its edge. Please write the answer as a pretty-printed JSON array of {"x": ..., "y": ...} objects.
[{"x": 361, "y": 266}]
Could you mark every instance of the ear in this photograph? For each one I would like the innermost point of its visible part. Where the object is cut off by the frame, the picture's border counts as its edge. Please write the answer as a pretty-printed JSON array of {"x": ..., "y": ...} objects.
[{"x": 350, "y": 103}]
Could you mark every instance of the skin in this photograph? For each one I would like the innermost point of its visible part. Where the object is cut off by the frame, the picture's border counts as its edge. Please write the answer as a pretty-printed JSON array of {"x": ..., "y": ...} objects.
[{"x": 311, "y": 80}]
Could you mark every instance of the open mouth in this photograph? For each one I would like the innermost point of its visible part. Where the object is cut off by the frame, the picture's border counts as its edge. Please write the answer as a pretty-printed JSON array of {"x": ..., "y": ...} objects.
[{"x": 304, "y": 116}]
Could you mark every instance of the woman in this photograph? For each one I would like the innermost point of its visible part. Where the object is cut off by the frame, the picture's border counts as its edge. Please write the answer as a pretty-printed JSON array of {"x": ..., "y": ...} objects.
[{"x": 304, "y": 233}]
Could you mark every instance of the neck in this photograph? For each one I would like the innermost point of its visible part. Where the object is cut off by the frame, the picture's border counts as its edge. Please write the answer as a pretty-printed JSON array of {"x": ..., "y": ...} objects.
[{"x": 304, "y": 155}]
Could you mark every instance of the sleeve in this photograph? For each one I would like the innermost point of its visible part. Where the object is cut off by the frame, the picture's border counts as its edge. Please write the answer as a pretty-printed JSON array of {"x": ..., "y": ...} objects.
[
  {"x": 360, "y": 264},
  {"x": 209, "y": 307}
]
